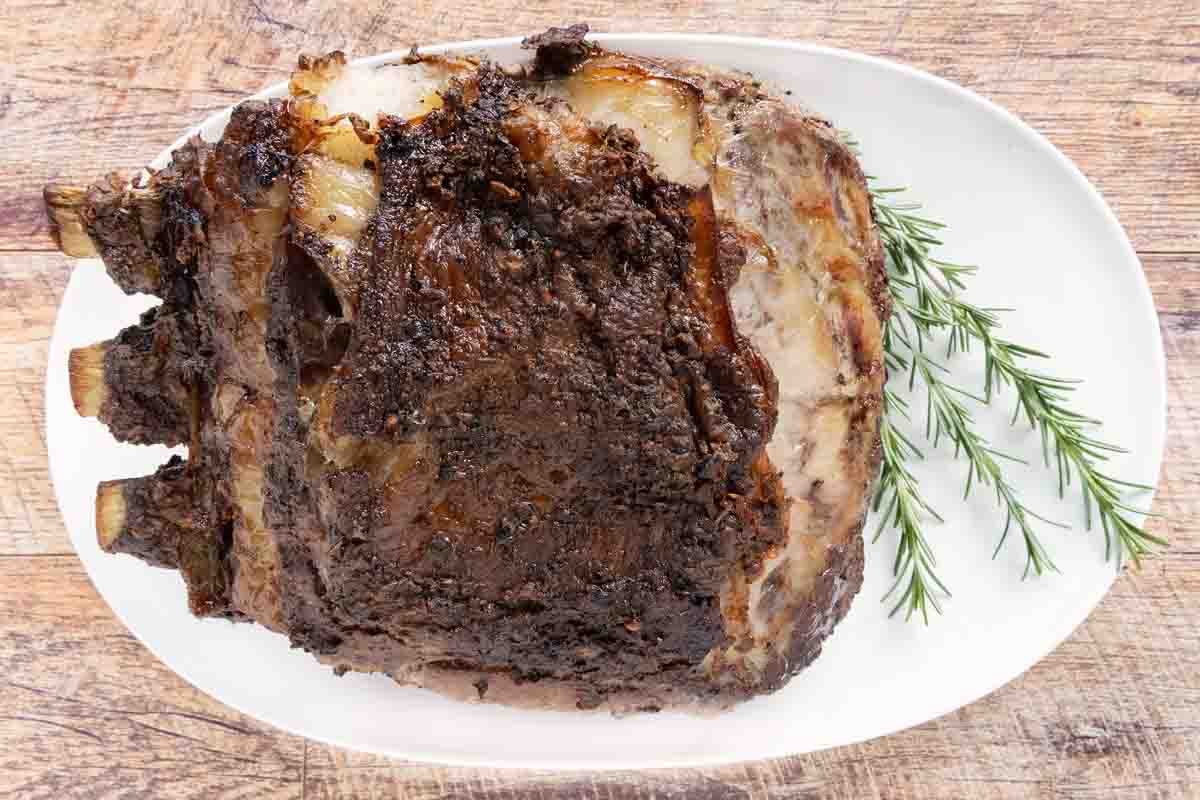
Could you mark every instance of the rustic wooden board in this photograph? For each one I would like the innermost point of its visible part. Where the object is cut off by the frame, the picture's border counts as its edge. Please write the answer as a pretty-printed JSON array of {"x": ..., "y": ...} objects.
[
  {"x": 85, "y": 711},
  {"x": 119, "y": 81}
]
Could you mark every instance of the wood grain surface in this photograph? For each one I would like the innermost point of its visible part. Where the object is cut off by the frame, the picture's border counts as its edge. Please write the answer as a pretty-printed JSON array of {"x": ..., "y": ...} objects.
[{"x": 86, "y": 711}]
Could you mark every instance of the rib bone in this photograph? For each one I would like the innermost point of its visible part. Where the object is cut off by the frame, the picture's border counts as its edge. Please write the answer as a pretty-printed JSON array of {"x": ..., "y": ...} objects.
[{"x": 137, "y": 383}]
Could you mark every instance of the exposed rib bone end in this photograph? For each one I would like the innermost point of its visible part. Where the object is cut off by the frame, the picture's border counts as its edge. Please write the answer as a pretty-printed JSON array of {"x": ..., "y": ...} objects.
[
  {"x": 147, "y": 517},
  {"x": 85, "y": 367},
  {"x": 64, "y": 207},
  {"x": 111, "y": 511},
  {"x": 138, "y": 384}
]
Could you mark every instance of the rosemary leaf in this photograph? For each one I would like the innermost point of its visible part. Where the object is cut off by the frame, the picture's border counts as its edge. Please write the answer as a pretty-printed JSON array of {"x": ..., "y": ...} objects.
[{"x": 927, "y": 302}]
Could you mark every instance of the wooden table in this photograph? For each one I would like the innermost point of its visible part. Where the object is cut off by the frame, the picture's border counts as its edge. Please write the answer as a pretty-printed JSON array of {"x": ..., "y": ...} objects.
[{"x": 86, "y": 711}]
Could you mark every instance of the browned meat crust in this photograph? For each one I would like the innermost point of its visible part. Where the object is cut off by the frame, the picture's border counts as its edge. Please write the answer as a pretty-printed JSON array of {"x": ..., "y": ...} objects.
[
  {"x": 583, "y": 435},
  {"x": 514, "y": 441},
  {"x": 559, "y": 50},
  {"x": 151, "y": 361}
]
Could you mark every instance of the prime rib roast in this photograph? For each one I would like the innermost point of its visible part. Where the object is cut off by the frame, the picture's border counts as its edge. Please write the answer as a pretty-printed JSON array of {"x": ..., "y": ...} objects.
[{"x": 554, "y": 385}]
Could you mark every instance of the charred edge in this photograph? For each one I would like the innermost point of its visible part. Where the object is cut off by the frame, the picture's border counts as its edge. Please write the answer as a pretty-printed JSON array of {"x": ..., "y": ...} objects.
[
  {"x": 257, "y": 148},
  {"x": 626, "y": 217},
  {"x": 153, "y": 519},
  {"x": 559, "y": 50},
  {"x": 137, "y": 383},
  {"x": 147, "y": 517},
  {"x": 123, "y": 223},
  {"x": 143, "y": 231}
]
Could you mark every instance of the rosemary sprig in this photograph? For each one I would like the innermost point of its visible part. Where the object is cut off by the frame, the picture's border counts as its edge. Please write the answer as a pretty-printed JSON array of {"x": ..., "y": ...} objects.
[
  {"x": 1042, "y": 400},
  {"x": 951, "y": 418},
  {"x": 927, "y": 301},
  {"x": 914, "y": 564}
]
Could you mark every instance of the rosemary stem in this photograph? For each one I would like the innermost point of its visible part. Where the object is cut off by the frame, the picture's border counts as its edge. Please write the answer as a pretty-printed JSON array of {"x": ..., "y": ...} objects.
[{"x": 927, "y": 301}]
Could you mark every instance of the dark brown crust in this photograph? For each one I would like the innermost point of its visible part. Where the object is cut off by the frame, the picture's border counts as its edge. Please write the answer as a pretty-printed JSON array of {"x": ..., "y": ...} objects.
[
  {"x": 144, "y": 232},
  {"x": 559, "y": 50},
  {"x": 167, "y": 377},
  {"x": 591, "y": 431},
  {"x": 533, "y": 462},
  {"x": 156, "y": 521},
  {"x": 294, "y": 290},
  {"x": 123, "y": 234},
  {"x": 155, "y": 514},
  {"x": 148, "y": 397}
]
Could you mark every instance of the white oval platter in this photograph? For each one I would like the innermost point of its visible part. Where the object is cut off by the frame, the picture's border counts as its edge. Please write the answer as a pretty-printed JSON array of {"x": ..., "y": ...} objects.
[{"x": 1047, "y": 246}]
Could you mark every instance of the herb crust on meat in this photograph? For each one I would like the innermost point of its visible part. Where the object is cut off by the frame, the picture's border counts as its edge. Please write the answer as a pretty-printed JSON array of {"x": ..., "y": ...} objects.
[{"x": 476, "y": 374}]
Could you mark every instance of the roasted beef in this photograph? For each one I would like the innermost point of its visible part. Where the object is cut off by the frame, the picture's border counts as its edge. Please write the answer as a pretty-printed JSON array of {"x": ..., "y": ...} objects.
[{"x": 551, "y": 385}]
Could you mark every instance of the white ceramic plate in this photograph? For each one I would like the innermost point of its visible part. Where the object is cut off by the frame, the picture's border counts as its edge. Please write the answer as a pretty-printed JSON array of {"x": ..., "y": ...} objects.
[{"x": 1047, "y": 245}]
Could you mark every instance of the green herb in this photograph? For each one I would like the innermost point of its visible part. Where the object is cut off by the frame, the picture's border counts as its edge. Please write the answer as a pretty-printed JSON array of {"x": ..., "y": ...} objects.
[
  {"x": 927, "y": 302},
  {"x": 914, "y": 562}
]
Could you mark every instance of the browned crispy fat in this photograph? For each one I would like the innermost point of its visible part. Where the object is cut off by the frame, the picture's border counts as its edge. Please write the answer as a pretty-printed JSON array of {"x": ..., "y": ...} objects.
[{"x": 476, "y": 370}]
